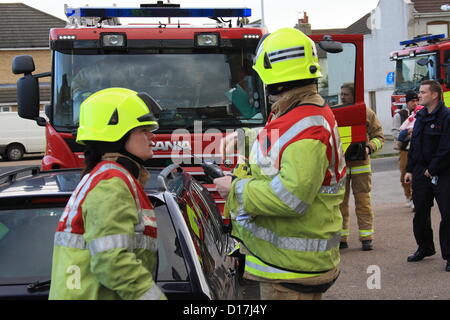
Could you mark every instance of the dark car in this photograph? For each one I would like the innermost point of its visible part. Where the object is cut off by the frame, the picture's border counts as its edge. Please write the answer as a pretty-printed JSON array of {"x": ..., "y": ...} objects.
[{"x": 192, "y": 239}]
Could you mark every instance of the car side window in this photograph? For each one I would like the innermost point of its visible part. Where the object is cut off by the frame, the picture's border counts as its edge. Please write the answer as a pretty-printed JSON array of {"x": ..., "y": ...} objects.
[
  {"x": 171, "y": 264},
  {"x": 26, "y": 244},
  {"x": 211, "y": 215}
]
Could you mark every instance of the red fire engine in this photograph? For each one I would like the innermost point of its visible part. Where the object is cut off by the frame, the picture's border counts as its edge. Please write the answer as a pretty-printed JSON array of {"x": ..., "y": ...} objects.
[
  {"x": 201, "y": 76},
  {"x": 422, "y": 58}
]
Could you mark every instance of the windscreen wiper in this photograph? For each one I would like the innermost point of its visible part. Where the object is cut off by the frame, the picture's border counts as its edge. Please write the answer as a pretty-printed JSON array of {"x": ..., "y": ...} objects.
[{"x": 39, "y": 286}]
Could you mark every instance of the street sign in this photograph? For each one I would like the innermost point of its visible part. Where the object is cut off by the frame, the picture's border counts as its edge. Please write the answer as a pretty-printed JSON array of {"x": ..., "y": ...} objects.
[{"x": 390, "y": 78}]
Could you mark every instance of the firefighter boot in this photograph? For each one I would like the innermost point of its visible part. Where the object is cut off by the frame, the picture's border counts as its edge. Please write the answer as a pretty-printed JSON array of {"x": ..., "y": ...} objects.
[
  {"x": 343, "y": 245},
  {"x": 367, "y": 245}
]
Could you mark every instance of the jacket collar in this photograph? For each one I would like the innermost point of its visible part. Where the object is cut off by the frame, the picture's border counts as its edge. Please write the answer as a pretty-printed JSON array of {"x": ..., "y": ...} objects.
[
  {"x": 134, "y": 167},
  {"x": 426, "y": 116},
  {"x": 295, "y": 97}
]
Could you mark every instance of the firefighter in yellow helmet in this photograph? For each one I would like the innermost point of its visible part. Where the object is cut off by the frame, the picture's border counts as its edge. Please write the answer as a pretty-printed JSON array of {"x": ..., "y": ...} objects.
[
  {"x": 105, "y": 243},
  {"x": 286, "y": 213},
  {"x": 359, "y": 178}
]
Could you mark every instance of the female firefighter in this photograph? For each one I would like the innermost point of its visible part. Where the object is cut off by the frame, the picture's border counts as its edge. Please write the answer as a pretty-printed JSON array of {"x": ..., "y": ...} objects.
[
  {"x": 105, "y": 244},
  {"x": 286, "y": 214}
]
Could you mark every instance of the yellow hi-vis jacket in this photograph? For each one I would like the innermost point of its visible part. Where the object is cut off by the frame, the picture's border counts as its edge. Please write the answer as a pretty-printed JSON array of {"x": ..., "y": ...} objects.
[
  {"x": 105, "y": 244},
  {"x": 287, "y": 213}
]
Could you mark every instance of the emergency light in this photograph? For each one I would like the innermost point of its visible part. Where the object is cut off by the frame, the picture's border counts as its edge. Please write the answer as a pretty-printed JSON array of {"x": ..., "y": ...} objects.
[
  {"x": 157, "y": 12},
  {"x": 430, "y": 39}
]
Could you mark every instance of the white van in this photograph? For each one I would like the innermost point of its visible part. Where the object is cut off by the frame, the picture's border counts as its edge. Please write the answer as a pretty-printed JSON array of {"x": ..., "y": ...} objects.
[{"x": 19, "y": 136}]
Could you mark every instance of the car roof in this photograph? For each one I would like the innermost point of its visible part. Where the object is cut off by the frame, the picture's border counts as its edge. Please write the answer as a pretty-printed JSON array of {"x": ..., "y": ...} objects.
[{"x": 31, "y": 181}]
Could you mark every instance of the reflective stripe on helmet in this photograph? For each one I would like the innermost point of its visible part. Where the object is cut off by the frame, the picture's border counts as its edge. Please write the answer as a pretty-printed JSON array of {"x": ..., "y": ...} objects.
[{"x": 286, "y": 54}]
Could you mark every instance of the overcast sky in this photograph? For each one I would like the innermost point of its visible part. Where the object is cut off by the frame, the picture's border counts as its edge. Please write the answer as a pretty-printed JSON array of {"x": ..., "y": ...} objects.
[{"x": 323, "y": 14}]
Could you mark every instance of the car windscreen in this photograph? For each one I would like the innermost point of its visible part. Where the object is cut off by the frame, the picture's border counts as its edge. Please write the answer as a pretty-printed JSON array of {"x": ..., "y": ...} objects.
[
  {"x": 215, "y": 88},
  {"x": 411, "y": 71}
]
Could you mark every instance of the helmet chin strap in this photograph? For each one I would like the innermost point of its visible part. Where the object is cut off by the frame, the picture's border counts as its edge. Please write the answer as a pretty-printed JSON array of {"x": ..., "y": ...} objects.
[
  {"x": 132, "y": 156},
  {"x": 278, "y": 88}
]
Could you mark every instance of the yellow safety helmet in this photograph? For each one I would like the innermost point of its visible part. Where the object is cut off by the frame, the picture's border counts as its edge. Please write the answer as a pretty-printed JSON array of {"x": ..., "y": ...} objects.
[
  {"x": 109, "y": 114},
  {"x": 286, "y": 55}
]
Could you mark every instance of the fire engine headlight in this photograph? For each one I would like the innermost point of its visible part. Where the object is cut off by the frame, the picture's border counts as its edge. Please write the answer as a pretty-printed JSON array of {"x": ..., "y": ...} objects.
[
  {"x": 113, "y": 40},
  {"x": 207, "y": 40}
]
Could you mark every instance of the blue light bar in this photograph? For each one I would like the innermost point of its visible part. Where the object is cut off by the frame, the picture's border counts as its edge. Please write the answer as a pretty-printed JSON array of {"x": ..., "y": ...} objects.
[
  {"x": 107, "y": 13},
  {"x": 424, "y": 38}
]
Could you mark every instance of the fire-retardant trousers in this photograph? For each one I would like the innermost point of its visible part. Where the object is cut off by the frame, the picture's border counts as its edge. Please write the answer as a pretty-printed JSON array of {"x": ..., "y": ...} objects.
[
  {"x": 360, "y": 181},
  {"x": 274, "y": 291}
]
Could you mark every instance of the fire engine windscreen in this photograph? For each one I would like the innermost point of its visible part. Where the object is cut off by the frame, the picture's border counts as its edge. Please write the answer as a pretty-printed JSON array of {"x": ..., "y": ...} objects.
[
  {"x": 220, "y": 89},
  {"x": 411, "y": 71}
]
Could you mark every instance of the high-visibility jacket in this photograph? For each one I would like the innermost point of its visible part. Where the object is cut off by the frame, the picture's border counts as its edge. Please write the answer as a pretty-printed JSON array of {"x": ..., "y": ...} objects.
[
  {"x": 375, "y": 141},
  {"x": 287, "y": 213},
  {"x": 105, "y": 243}
]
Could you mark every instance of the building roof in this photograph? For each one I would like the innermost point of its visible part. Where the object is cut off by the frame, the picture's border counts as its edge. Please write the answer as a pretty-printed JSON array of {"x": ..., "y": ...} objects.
[
  {"x": 327, "y": 31},
  {"x": 361, "y": 26},
  {"x": 358, "y": 27},
  {"x": 429, "y": 6},
  {"x": 22, "y": 26}
]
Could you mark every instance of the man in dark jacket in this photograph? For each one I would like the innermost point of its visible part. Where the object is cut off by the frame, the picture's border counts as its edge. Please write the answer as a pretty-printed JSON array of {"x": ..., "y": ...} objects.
[{"x": 429, "y": 171}]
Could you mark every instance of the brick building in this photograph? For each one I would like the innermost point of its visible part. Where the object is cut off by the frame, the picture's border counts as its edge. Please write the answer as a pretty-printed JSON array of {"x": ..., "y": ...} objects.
[{"x": 24, "y": 30}]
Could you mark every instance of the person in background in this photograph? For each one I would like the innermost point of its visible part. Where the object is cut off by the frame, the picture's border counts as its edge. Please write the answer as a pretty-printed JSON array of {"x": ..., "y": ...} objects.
[
  {"x": 402, "y": 145},
  {"x": 359, "y": 180},
  {"x": 428, "y": 170},
  {"x": 348, "y": 93}
]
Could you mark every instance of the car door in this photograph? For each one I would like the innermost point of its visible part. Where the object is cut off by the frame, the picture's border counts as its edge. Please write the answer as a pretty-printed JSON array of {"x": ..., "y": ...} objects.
[
  {"x": 26, "y": 246},
  {"x": 207, "y": 230}
]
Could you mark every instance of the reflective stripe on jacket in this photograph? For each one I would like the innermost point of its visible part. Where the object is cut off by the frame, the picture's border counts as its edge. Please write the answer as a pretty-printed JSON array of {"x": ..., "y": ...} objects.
[
  {"x": 287, "y": 213},
  {"x": 105, "y": 244}
]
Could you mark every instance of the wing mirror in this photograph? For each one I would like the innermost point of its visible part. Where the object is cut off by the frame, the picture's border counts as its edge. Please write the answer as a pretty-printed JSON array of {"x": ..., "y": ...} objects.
[{"x": 329, "y": 45}]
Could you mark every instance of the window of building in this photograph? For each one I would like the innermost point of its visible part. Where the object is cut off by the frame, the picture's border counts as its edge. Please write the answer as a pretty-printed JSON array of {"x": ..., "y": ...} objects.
[
  {"x": 5, "y": 109},
  {"x": 373, "y": 100},
  {"x": 438, "y": 27}
]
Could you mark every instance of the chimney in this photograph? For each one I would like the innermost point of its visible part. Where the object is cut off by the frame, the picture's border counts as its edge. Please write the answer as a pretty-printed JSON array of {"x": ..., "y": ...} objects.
[{"x": 304, "y": 25}]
